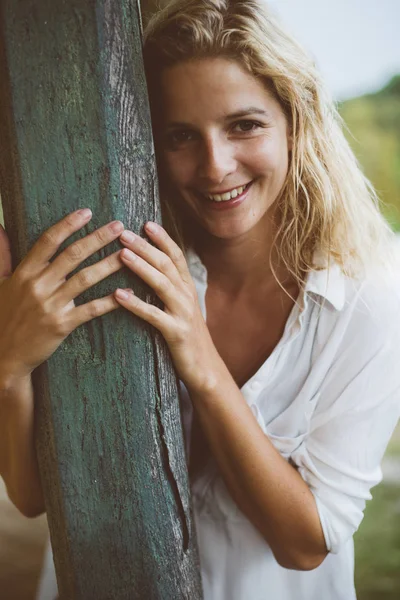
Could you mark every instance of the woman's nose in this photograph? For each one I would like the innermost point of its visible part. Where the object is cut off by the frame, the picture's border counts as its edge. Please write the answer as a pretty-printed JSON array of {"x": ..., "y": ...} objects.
[{"x": 216, "y": 160}]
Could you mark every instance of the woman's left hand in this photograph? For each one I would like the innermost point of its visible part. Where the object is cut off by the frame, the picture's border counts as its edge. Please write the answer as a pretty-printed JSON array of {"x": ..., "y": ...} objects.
[{"x": 181, "y": 322}]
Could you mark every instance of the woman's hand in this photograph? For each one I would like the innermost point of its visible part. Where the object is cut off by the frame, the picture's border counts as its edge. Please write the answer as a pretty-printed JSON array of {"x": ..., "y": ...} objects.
[
  {"x": 181, "y": 323},
  {"x": 37, "y": 309}
]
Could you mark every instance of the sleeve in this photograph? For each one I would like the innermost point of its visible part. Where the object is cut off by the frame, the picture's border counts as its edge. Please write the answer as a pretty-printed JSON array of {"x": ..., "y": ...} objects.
[{"x": 358, "y": 409}]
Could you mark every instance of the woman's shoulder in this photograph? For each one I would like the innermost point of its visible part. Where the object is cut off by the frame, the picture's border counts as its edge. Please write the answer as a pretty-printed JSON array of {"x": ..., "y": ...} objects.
[
  {"x": 357, "y": 316},
  {"x": 375, "y": 297},
  {"x": 375, "y": 292},
  {"x": 367, "y": 311}
]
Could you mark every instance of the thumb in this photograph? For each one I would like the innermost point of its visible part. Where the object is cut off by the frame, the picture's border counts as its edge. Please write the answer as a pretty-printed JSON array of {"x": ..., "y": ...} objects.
[{"x": 5, "y": 254}]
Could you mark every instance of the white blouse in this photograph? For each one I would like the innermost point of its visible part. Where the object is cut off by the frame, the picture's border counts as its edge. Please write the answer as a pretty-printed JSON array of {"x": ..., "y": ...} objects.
[{"x": 328, "y": 398}]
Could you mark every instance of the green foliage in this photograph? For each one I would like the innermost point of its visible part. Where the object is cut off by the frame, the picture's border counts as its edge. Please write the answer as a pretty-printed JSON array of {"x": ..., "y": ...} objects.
[
  {"x": 377, "y": 542},
  {"x": 377, "y": 545},
  {"x": 373, "y": 123}
]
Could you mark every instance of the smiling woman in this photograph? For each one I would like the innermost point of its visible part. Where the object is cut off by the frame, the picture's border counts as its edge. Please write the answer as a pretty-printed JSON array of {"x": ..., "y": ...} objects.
[
  {"x": 280, "y": 309},
  {"x": 324, "y": 191},
  {"x": 209, "y": 152},
  {"x": 287, "y": 411}
]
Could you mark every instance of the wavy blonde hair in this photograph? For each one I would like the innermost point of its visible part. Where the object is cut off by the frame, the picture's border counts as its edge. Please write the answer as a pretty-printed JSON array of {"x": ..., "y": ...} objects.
[{"x": 326, "y": 204}]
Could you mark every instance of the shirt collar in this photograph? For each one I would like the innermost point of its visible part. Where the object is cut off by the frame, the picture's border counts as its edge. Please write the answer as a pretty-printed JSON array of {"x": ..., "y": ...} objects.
[
  {"x": 196, "y": 267},
  {"x": 327, "y": 283}
]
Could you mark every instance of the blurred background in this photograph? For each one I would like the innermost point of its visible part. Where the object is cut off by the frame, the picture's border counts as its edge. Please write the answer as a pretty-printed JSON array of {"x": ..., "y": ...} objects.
[{"x": 356, "y": 45}]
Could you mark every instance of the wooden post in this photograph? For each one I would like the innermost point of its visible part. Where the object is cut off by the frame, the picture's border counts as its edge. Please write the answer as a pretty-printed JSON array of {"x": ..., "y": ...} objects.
[{"x": 75, "y": 131}]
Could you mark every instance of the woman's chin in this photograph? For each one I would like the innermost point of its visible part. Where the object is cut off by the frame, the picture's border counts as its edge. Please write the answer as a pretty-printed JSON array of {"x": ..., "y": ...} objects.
[{"x": 228, "y": 232}]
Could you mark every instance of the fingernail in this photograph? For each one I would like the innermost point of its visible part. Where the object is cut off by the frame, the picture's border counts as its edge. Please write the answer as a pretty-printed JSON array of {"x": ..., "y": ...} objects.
[
  {"x": 122, "y": 294},
  {"x": 152, "y": 227},
  {"x": 85, "y": 213},
  {"x": 116, "y": 226},
  {"x": 127, "y": 236},
  {"x": 128, "y": 255}
]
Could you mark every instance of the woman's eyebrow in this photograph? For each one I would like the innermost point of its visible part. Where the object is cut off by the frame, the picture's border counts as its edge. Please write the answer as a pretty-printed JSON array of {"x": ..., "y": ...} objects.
[{"x": 250, "y": 110}]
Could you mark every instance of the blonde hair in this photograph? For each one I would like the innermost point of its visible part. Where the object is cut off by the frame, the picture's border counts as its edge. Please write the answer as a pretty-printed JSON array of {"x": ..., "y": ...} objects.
[{"x": 326, "y": 204}]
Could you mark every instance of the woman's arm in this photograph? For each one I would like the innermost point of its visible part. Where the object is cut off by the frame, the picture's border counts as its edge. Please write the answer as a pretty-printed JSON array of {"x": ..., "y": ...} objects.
[
  {"x": 267, "y": 489},
  {"x": 37, "y": 312},
  {"x": 306, "y": 510},
  {"x": 18, "y": 462}
]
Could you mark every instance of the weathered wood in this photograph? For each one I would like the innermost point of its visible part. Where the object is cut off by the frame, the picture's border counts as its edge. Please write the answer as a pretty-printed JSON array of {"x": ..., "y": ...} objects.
[{"x": 75, "y": 131}]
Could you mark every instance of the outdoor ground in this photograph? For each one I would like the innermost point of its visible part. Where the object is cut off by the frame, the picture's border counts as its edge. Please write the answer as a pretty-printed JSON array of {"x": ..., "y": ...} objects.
[{"x": 22, "y": 542}]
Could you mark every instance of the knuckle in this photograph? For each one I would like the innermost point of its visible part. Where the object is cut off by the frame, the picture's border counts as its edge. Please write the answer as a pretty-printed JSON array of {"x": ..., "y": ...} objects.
[
  {"x": 50, "y": 238},
  {"x": 70, "y": 221},
  {"x": 154, "y": 313},
  {"x": 21, "y": 276},
  {"x": 165, "y": 263},
  {"x": 58, "y": 325},
  {"x": 188, "y": 312},
  {"x": 93, "y": 310},
  {"x": 101, "y": 236},
  {"x": 111, "y": 263},
  {"x": 164, "y": 285},
  {"x": 34, "y": 290},
  {"x": 85, "y": 278},
  {"x": 74, "y": 252},
  {"x": 177, "y": 255},
  {"x": 192, "y": 294},
  {"x": 184, "y": 329}
]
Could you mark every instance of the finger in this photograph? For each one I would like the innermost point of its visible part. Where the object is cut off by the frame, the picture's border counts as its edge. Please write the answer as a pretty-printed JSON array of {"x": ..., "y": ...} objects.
[
  {"x": 168, "y": 293},
  {"x": 91, "y": 310},
  {"x": 148, "y": 312},
  {"x": 5, "y": 254},
  {"x": 153, "y": 256},
  {"x": 87, "y": 278},
  {"x": 166, "y": 244},
  {"x": 80, "y": 250},
  {"x": 50, "y": 241}
]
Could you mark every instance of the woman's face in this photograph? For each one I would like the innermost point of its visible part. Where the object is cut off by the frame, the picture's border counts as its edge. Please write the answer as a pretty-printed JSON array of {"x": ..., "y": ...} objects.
[{"x": 223, "y": 131}]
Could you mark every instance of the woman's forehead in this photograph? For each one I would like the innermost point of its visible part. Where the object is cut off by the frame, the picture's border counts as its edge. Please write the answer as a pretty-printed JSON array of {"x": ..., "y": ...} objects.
[{"x": 217, "y": 87}]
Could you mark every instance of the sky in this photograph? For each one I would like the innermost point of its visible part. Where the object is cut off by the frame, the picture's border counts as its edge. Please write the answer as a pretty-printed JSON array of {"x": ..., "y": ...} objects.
[{"x": 356, "y": 43}]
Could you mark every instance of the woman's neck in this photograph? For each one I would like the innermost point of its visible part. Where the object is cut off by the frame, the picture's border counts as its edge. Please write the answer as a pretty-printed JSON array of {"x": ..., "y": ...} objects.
[{"x": 240, "y": 265}]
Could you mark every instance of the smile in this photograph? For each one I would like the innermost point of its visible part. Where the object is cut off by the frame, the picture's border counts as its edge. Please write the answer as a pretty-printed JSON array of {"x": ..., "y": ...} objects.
[
  {"x": 234, "y": 201},
  {"x": 230, "y": 195}
]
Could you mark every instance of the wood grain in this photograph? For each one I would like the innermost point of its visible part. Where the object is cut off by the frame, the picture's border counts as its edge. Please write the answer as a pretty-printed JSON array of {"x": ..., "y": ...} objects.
[{"x": 75, "y": 130}]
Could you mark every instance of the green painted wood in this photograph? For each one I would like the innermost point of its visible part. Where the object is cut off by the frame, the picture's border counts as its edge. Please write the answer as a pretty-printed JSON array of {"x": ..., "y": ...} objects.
[{"x": 75, "y": 131}]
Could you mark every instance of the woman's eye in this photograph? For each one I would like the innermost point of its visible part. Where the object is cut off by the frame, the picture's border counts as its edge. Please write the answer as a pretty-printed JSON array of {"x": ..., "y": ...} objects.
[
  {"x": 247, "y": 126},
  {"x": 179, "y": 137}
]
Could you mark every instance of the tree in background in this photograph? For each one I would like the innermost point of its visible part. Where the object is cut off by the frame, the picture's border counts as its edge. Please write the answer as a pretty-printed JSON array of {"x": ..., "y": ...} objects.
[{"x": 373, "y": 123}]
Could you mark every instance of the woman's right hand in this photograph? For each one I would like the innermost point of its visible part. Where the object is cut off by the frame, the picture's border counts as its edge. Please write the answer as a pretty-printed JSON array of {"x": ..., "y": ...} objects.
[{"x": 37, "y": 309}]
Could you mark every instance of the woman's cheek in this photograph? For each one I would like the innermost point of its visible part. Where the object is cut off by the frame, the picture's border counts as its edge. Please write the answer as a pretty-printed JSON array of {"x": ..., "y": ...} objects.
[
  {"x": 179, "y": 167},
  {"x": 267, "y": 155}
]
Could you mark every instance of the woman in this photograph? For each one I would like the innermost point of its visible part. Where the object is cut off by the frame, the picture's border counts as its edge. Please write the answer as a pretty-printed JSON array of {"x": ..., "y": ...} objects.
[{"x": 281, "y": 328}]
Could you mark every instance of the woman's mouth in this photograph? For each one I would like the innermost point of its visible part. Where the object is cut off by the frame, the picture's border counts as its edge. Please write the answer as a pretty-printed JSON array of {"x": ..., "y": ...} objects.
[{"x": 227, "y": 200}]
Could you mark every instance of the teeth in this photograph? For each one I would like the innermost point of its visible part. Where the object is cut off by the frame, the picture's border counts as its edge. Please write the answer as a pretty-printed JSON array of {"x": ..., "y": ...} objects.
[{"x": 228, "y": 196}]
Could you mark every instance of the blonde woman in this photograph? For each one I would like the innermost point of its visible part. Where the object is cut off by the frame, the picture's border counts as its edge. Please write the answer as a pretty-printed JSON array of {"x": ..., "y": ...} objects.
[{"x": 279, "y": 311}]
